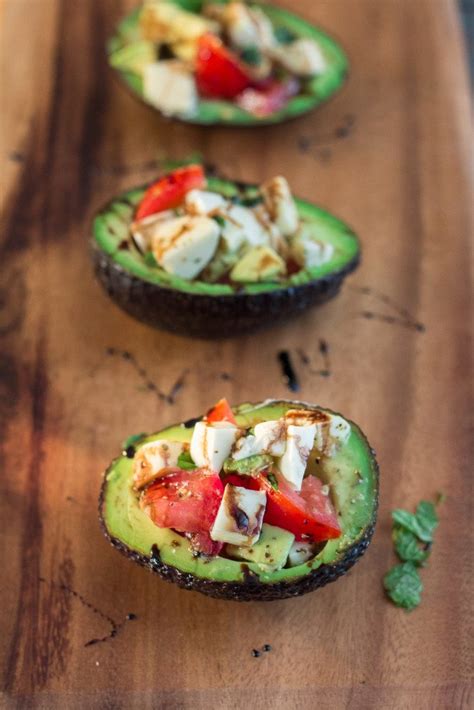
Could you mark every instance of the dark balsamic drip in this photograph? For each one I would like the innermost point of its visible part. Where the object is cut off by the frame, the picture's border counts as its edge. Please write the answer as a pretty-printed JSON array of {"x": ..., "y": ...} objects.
[
  {"x": 124, "y": 245},
  {"x": 225, "y": 376},
  {"x": 318, "y": 146},
  {"x": 289, "y": 375},
  {"x": 256, "y": 653},
  {"x": 266, "y": 647},
  {"x": 189, "y": 423},
  {"x": 114, "y": 626},
  {"x": 168, "y": 397},
  {"x": 324, "y": 350},
  {"x": 16, "y": 157},
  {"x": 130, "y": 452},
  {"x": 403, "y": 316},
  {"x": 249, "y": 576}
]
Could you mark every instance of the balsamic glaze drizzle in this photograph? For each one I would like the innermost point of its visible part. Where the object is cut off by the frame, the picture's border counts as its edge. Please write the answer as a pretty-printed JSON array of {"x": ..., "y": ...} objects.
[
  {"x": 289, "y": 375},
  {"x": 402, "y": 318},
  {"x": 168, "y": 397}
]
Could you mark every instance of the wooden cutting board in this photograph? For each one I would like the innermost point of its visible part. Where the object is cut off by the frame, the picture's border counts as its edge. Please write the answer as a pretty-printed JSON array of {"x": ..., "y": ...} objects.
[{"x": 391, "y": 155}]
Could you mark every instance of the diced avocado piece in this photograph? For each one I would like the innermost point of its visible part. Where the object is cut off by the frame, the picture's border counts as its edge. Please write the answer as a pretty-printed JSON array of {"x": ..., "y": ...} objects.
[
  {"x": 258, "y": 264},
  {"x": 251, "y": 464},
  {"x": 134, "y": 57},
  {"x": 271, "y": 549}
]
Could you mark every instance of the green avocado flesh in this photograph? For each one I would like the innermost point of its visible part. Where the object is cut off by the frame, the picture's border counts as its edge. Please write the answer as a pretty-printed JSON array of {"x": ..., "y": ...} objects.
[
  {"x": 127, "y": 40},
  {"x": 111, "y": 228},
  {"x": 351, "y": 475}
]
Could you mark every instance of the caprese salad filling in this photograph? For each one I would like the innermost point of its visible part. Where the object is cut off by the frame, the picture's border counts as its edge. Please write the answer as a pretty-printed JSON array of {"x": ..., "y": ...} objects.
[
  {"x": 229, "y": 51},
  {"x": 189, "y": 231},
  {"x": 245, "y": 494}
]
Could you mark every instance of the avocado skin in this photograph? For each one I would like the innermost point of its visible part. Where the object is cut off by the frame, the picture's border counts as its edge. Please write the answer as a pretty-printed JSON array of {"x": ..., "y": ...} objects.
[
  {"x": 251, "y": 589},
  {"x": 205, "y": 316}
]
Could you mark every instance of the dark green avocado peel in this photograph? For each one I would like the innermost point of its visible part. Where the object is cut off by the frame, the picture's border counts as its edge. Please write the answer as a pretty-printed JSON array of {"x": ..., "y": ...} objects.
[{"x": 352, "y": 474}]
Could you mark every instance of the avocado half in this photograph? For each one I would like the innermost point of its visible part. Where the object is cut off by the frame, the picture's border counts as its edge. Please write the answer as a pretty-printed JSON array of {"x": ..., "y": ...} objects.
[
  {"x": 212, "y": 112},
  {"x": 213, "y": 310},
  {"x": 352, "y": 473}
]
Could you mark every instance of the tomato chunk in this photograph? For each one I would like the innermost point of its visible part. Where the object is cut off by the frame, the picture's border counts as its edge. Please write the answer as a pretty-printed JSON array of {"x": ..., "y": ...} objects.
[
  {"x": 219, "y": 73},
  {"x": 268, "y": 99},
  {"x": 309, "y": 515},
  {"x": 202, "y": 542},
  {"x": 221, "y": 412},
  {"x": 169, "y": 191},
  {"x": 187, "y": 501}
]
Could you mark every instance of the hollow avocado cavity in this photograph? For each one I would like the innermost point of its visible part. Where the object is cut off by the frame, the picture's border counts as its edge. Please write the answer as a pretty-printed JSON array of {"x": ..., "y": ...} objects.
[
  {"x": 351, "y": 474},
  {"x": 111, "y": 227}
]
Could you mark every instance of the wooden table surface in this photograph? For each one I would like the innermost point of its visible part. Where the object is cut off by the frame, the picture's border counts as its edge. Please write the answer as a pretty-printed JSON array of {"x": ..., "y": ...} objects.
[{"x": 390, "y": 155}]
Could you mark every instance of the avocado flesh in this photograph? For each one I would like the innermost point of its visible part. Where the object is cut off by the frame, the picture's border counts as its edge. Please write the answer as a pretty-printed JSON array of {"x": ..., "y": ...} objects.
[
  {"x": 314, "y": 91},
  {"x": 269, "y": 552},
  {"x": 111, "y": 228},
  {"x": 352, "y": 473}
]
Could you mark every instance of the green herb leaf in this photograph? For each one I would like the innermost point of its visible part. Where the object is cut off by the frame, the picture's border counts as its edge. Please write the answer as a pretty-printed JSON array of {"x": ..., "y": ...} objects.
[
  {"x": 273, "y": 481},
  {"x": 219, "y": 219},
  {"x": 408, "y": 548},
  {"x": 252, "y": 464},
  {"x": 186, "y": 462},
  {"x": 403, "y": 585},
  {"x": 427, "y": 517},
  {"x": 149, "y": 259},
  {"x": 251, "y": 55},
  {"x": 283, "y": 35},
  {"x": 133, "y": 439}
]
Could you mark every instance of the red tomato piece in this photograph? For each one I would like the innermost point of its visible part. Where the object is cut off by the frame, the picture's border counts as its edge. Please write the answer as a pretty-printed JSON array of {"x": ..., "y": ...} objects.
[
  {"x": 221, "y": 412},
  {"x": 202, "y": 542},
  {"x": 187, "y": 501},
  {"x": 169, "y": 191},
  {"x": 309, "y": 515},
  {"x": 219, "y": 72},
  {"x": 269, "y": 98}
]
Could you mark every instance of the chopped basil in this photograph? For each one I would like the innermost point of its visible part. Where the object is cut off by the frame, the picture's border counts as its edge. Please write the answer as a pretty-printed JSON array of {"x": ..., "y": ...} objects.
[
  {"x": 185, "y": 461},
  {"x": 132, "y": 440},
  {"x": 219, "y": 219},
  {"x": 403, "y": 585},
  {"x": 273, "y": 481},
  {"x": 283, "y": 35},
  {"x": 249, "y": 465},
  {"x": 149, "y": 259},
  {"x": 421, "y": 524},
  {"x": 251, "y": 55}
]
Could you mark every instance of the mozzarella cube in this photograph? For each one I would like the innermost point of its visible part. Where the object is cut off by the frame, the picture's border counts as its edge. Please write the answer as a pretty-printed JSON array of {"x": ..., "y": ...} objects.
[
  {"x": 332, "y": 431},
  {"x": 309, "y": 252},
  {"x": 170, "y": 87},
  {"x": 302, "y": 57},
  {"x": 204, "y": 202},
  {"x": 241, "y": 225},
  {"x": 142, "y": 230},
  {"x": 281, "y": 205},
  {"x": 185, "y": 245},
  {"x": 211, "y": 444},
  {"x": 299, "y": 442},
  {"x": 300, "y": 552},
  {"x": 240, "y": 516},
  {"x": 153, "y": 457},
  {"x": 270, "y": 438},
  {"x": 244, "y": 447},
  {"x": 247, "y": 27}
]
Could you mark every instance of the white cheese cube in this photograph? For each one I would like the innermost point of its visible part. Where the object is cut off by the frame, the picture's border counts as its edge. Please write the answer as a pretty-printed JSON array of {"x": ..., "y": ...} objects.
[
  {"x": 332, "y": 431},
  {"x": 242, "y": 226},
  {"x": 281, "y": 205},
  {"x": 300, "y": 552},
  {"x": 247, "y": 27},
  {"x": 244, "y": 447},
  {"x": 142, "y": 230},
  {"x": 170, "y": 87},
  {"x": 270, "y": 438},
  {"x": 299, "y": 442},
  {"x": 240, "y": 516},
  {"x": 302, "y": 57},
  {"x": 211, "y": 444},
  {"x": 310, "y": 253},
  {"x": 185, "y": 245},
  {"x": 154, "y": 456},
  {"x": 204, "y": 202}
]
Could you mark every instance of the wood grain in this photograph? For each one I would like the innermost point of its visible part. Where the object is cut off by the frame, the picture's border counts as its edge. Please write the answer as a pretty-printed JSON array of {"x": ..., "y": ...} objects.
[{"x": 402, "y": 176}]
